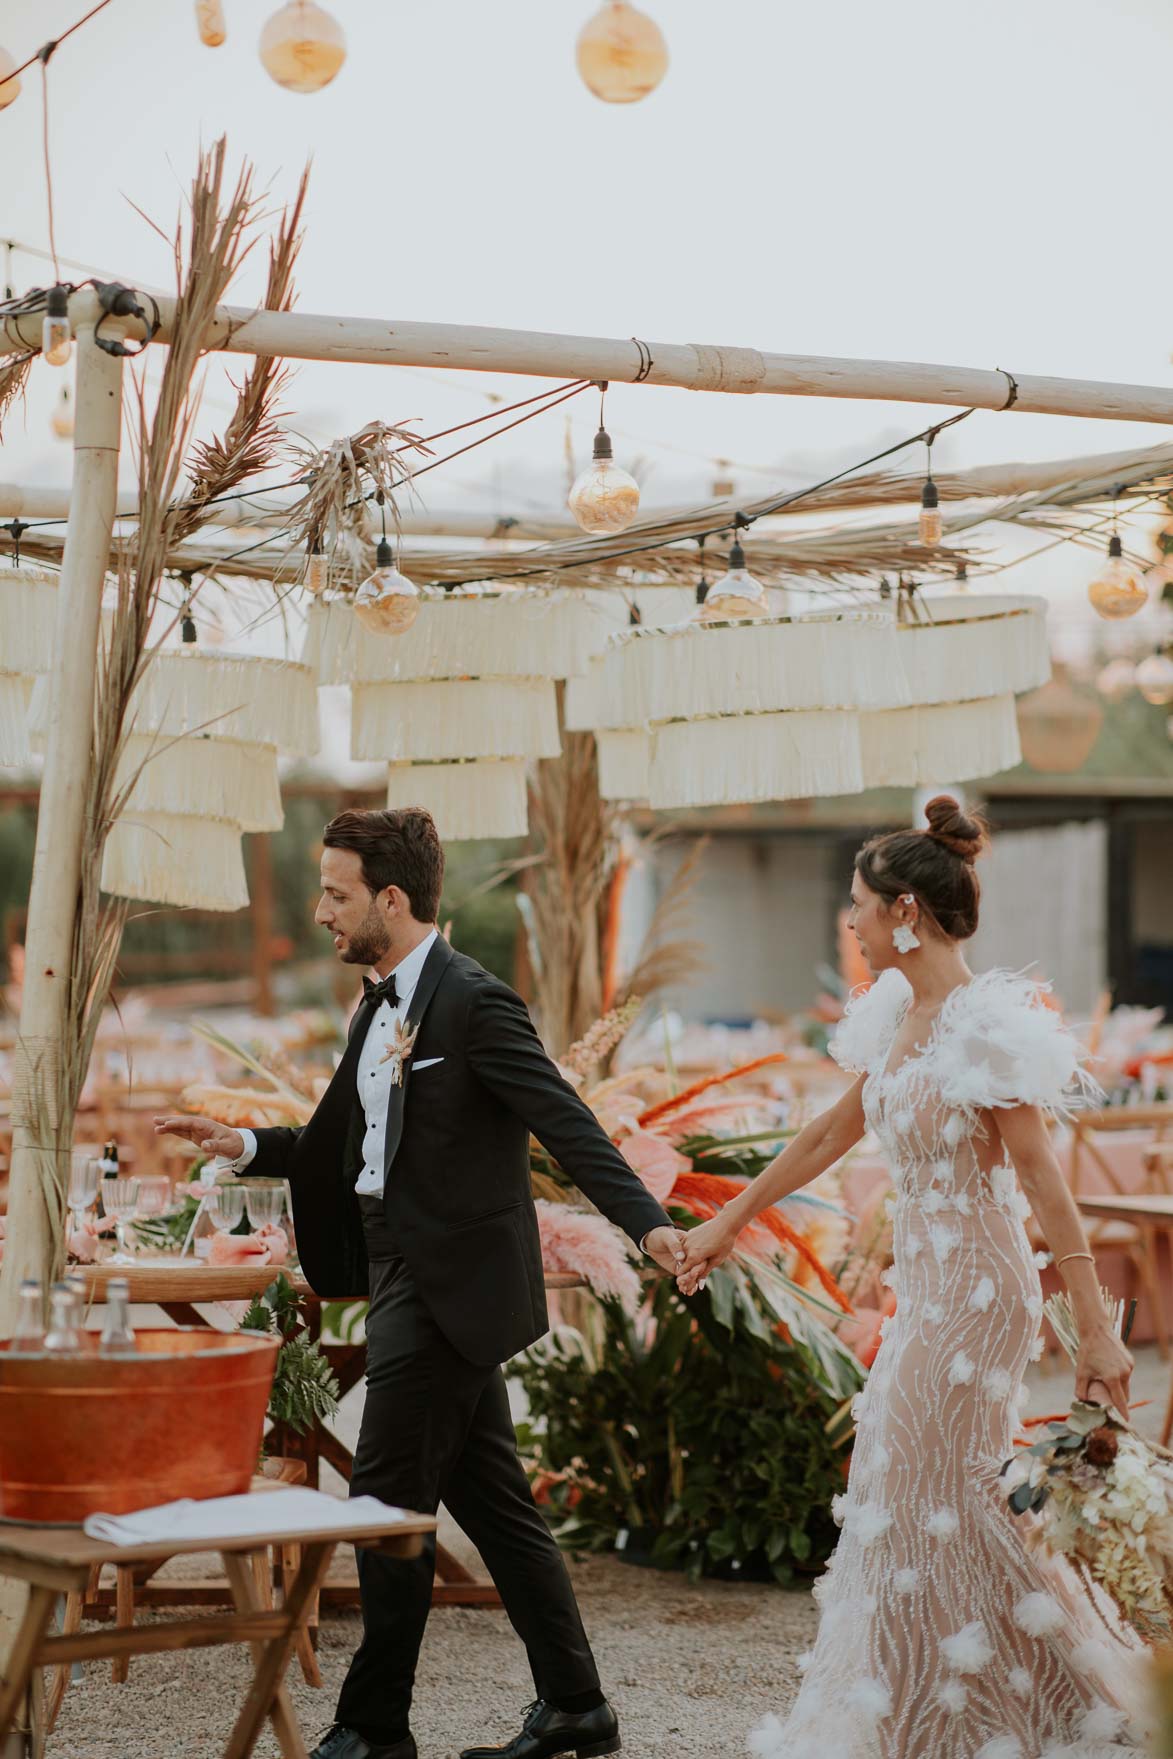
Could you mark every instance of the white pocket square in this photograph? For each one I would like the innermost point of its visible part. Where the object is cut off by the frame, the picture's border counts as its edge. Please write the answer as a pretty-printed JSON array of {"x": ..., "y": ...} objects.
[{"x": 428, "y": 1063}]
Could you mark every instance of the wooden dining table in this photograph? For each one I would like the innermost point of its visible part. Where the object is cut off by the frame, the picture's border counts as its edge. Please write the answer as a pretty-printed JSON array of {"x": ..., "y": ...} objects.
[
  {"x": 1151, "y": 1209},
  {"x": 60, "y": 1560},
  {"x": 179, "y": 1286}
]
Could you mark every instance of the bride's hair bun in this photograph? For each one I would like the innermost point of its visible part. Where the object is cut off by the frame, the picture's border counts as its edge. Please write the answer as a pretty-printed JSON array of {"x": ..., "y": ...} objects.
[{"x": 963, "y": 833}]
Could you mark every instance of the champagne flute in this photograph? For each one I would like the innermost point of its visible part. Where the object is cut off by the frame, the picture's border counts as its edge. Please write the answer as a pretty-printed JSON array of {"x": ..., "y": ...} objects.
[
  {"x": 120, "y": 1198},
  {"x": 226, "y": 1206},
  {"x": 264, "y": 1204},
  {"x": 85, "y": 1175}
]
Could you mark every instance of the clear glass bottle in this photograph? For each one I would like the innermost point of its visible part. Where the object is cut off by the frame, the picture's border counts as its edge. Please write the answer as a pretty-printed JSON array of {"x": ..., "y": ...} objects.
[
  {"x": 62, "y": 1336},
  {"x": 117, "y": 1331},
  {"x": 75, "y": 1282},
  {"x": 28, "y": 1338}
]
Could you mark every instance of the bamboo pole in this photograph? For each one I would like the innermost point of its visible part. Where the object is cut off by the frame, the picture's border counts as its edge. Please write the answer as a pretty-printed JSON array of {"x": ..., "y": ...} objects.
[
  {"x": 57, "y": 857},
  {"x": 693, "y": 366}
]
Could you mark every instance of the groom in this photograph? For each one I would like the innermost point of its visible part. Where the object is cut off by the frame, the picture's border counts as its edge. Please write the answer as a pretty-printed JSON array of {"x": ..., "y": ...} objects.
[{"x": 412, "y": 1179}]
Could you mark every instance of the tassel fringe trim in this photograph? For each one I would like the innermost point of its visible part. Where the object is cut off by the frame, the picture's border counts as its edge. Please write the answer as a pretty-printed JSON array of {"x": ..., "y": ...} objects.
[
  {"x": 160, "y": 858},
  {"x": 467, "y": 800}
]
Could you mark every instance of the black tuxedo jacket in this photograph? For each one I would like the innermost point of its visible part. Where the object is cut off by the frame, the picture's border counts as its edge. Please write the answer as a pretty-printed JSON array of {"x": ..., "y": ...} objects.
[{"x": 457, "y": 1193}]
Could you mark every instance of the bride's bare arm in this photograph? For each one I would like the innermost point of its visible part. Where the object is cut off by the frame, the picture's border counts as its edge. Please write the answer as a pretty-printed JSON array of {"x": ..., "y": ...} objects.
[
  {"x": 1103, "y": 1359},
  {"x": 817, "y": 1146}
]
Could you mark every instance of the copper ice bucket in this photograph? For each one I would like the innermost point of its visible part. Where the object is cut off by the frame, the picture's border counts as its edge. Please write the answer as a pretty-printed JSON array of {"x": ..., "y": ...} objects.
[{"x": 183, "y": 1416}]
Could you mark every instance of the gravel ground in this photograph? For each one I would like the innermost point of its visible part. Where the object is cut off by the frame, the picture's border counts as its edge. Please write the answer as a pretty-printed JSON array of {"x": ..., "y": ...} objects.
[{"x": 689, "y": 1669}]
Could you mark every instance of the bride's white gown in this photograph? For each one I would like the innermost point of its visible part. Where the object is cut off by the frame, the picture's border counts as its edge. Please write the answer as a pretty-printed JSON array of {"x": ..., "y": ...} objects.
[{"x": 940, "y": 1636}]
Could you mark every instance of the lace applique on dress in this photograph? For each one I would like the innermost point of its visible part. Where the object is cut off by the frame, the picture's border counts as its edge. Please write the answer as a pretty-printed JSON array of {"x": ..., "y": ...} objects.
[{"x": 940, "y": 1635}]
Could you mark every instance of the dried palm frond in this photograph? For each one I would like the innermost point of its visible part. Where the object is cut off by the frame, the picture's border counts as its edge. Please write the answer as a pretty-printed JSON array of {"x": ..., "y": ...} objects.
[
  {"x": 575, "y": 831},
  {"x": 343, "y": 477},
  {"x": 252, "y": 440},
  {"x": 13, "y": 381},
  {"x": 667, "y": 957},
  {"x": 217, "y": 240}
]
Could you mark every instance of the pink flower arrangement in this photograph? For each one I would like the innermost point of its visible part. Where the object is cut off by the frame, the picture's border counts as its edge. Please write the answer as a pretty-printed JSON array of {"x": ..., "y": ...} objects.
[
  {"x": 658, "y": 1164},
  {"x": 579, "y": 1244}
]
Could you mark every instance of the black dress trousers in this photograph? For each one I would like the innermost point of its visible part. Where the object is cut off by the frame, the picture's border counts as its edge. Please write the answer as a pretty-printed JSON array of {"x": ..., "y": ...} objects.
[{"x": 437, "y": 1428}]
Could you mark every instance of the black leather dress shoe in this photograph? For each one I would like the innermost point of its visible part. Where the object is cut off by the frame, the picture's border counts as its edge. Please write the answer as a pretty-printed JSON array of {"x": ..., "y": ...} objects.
[
  {"x": 548, "y": 1732},
  {"x": 347, "y": 1743}
]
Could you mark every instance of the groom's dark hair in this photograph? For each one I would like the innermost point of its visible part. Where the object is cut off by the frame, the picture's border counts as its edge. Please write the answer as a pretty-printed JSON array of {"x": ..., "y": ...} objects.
[{"x": 399, "y": 847}]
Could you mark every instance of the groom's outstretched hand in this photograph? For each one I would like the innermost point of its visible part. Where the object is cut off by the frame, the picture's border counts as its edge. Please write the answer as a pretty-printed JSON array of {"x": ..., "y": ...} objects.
[
  {"x": 666, "y": 1246},
  {"x": 213, "y": 1138}
]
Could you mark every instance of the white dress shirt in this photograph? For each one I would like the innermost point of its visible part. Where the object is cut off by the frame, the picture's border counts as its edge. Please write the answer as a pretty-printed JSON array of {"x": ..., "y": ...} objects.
[{"x": 374, "y": 1072}]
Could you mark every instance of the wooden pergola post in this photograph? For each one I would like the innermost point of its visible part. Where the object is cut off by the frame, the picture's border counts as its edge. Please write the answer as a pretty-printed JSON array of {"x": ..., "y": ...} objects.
[{"x": 40, "y": 1139}]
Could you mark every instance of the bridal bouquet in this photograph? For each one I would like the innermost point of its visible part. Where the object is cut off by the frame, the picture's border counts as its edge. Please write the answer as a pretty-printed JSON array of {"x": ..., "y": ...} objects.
[{"x": 1104, "y": 1499}]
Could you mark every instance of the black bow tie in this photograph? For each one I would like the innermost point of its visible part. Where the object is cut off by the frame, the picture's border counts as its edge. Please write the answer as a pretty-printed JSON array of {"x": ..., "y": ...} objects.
[{"x": 384, "y": 991}]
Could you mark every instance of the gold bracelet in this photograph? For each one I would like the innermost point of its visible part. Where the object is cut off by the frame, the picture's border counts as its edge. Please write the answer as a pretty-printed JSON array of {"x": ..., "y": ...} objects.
[{"x": 1090, "y": 1256}]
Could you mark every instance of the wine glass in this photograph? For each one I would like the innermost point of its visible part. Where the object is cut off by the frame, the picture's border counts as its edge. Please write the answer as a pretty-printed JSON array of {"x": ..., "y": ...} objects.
[
  {"x": 226, "y": 1206},
  {"x": 120, "y": 1200},
  {"x": 85, "y": 1175},
  {"x": 154, "y": 1194},
  {"x": 264, "y": 1204}
]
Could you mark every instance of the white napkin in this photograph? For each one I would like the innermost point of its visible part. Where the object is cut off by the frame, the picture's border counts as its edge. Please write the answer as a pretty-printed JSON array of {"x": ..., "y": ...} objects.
[{"x": 235, "y": 1517}]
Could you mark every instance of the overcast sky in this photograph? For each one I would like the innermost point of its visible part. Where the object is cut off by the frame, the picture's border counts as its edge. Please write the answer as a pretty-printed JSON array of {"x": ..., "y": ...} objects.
[{"x": 973, "y": 184}]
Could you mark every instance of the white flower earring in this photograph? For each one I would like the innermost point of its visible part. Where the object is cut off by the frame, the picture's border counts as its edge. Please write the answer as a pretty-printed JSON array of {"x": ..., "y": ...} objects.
[{"x": 904, "y": 935}]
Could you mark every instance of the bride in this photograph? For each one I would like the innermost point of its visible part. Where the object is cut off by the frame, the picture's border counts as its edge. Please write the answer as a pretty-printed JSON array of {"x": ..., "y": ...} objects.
[{"x": 940, "y": 1635}]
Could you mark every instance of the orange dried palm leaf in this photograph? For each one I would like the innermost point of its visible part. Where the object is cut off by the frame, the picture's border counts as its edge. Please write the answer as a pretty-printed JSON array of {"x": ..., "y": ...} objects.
[
  {"x": 714, "y": 1192},
  {"x": 666, "y": 1106}
]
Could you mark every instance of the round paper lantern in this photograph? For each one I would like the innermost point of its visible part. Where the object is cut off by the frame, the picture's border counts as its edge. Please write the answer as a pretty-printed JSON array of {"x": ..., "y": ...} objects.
[
  {"x": 1154, "y": 679},
  {"x": 1058, "y": 726},
  {"x": 1116, "y": 680},
  {"x": 302, "y": 47},
  {"x": 621, "y": 54}
]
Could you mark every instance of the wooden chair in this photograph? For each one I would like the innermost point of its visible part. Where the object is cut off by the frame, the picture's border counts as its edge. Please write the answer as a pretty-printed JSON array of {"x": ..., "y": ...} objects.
[
  {"x": 1140, "y": 1242},
  {"x": 283, "y": 1564}
]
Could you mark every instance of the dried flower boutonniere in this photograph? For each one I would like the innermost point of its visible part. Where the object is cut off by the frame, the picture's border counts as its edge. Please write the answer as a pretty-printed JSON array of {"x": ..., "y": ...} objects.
[{"x": 399, "y": 1050}]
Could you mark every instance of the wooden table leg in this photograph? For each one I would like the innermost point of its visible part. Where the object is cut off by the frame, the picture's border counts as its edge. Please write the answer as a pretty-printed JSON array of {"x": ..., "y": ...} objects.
[
  {"x": 71, "y": 1621},
  {"x": 267, "y": 1696},
  {"x": 19, "y": 1665},
  {"x": 123, "y": 1616},
  {"x": 307, "y": 1636}
]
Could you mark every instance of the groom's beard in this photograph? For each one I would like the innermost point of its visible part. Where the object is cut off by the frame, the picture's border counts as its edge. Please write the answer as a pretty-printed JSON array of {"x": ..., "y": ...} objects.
[{"x": 369, "y": 943}]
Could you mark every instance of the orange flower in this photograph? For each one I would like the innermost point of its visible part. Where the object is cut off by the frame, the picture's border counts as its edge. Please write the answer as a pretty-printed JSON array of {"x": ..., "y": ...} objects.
[{"x": 683, "y": 1098}]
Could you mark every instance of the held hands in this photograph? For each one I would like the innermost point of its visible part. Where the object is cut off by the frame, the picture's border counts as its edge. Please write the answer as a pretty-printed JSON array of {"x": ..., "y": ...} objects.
[
  {"x": 666, "y": 1247},
  {"x": 704, "y": 1248},
  {"x": 1103, "y": 1365},
  {"x": 211, "y": 1137}
]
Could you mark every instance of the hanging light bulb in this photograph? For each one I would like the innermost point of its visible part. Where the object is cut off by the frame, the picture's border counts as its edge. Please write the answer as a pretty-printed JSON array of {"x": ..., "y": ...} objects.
[
  {"x": 1154, "y": 679},
  {"x": 387, "y": 601},
  {"x": 1118, "y": 590},
  {"x": 210, "y": 22},
  {"x": 317, "y": 569},
  {"x": 702, "y": 585},
  {"x": 1116, "y": 680},
  {"x": 604, "y": 498},
  {"x": 9, "y": 83},
  {"x": 735, "y": 594},
  {"x": 621, "y": 53},
  {"x": 56, "y": 334},
  {"x": 302, "y": 47},
  {"x": 61, "y": 420},
  {"x": 929, "y": 526},
  {"x": 961, "y": 578}
]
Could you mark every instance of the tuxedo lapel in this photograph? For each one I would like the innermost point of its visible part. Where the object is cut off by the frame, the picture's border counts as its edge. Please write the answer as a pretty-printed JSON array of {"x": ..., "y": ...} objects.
[{"x": 435, "y": 965}]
